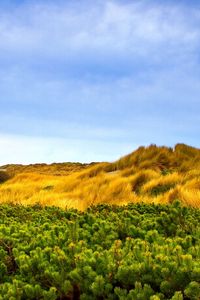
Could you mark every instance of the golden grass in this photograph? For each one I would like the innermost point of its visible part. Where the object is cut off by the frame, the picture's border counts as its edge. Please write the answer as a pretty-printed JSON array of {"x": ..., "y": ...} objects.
[
  {"x": 189, "y": 197},
  {"x": 121, "y": 182},
  {"x": 161, "y": 184},
  {"x": 140, "y": 178}
]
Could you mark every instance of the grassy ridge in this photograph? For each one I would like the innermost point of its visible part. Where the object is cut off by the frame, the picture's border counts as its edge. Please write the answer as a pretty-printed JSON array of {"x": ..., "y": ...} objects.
[
  {"x": 52, "y": 169},
  {"x": 140, "y": 252},
  {"x": 149, "y": 174}
]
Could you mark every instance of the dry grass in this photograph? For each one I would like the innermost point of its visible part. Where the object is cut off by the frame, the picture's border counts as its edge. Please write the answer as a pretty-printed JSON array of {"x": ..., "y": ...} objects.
[
  {"x": 140, "y": 178},
  {"x": 121, "y": 182},
  {"x": 161, "y": 184}
]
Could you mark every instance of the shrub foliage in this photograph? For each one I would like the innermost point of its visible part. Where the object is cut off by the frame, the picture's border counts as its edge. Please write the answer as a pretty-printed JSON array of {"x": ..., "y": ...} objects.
[{"x": 140, "y": 252}]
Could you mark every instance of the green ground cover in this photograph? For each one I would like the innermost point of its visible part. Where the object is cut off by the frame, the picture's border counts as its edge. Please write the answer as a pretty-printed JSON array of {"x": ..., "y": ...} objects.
[{"x": 139, "y": 252}]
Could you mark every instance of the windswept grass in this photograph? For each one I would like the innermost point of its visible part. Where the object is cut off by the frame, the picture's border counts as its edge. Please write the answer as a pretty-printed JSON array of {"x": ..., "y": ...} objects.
[{"x": 152, "y": 175}]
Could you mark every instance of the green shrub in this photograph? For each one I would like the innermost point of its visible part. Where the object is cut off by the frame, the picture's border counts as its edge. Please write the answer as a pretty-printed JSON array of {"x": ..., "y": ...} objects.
[{"x": 140, "y": 252}]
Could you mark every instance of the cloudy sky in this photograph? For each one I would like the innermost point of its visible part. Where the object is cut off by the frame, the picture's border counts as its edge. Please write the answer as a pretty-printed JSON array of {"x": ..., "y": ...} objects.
[{"x": 93, "y": 80}]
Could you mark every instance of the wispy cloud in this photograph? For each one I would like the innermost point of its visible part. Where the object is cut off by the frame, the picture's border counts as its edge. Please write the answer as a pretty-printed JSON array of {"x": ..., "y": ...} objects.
[{"x": 65, "y": 31}]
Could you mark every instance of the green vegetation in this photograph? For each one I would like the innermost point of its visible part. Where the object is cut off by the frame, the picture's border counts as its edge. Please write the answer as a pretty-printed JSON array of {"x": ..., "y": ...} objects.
[
  {"x": 138, "y": 252},
  {"x": 101, "y": 250}
]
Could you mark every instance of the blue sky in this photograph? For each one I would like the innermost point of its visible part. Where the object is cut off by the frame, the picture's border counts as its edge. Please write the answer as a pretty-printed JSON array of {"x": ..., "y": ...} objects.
[{"x": 93, "y": 80}]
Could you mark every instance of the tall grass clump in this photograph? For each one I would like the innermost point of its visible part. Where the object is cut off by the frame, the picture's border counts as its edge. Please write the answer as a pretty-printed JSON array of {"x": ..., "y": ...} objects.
[
  {"x": 4, "y": 176},
  {"x": 140, "y": 178},
  {"x": 150, "y": 174},
  {"x": 161, "y": 185}
]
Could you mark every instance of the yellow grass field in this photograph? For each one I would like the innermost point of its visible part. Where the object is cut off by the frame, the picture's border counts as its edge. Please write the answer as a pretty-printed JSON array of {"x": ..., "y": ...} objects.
[{"x": 149, "y": 174}]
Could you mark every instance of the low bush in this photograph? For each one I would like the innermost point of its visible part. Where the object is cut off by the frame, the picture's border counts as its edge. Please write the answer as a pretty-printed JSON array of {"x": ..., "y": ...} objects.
[{"x": 140, "y": 252}]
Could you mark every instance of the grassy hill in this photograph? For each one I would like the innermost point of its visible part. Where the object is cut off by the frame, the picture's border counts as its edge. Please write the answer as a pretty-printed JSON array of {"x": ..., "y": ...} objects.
[
  {"x": 150, "y": 174},
  {"x": 52, "y": 169}
]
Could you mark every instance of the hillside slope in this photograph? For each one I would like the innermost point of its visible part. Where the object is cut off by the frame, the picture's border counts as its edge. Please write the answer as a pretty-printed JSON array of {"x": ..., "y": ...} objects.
[{"x": 150, "y": 174}]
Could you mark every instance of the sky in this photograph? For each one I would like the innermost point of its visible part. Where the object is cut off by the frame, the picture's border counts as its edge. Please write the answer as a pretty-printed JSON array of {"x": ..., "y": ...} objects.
[{"x": 93, "y": 80}]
